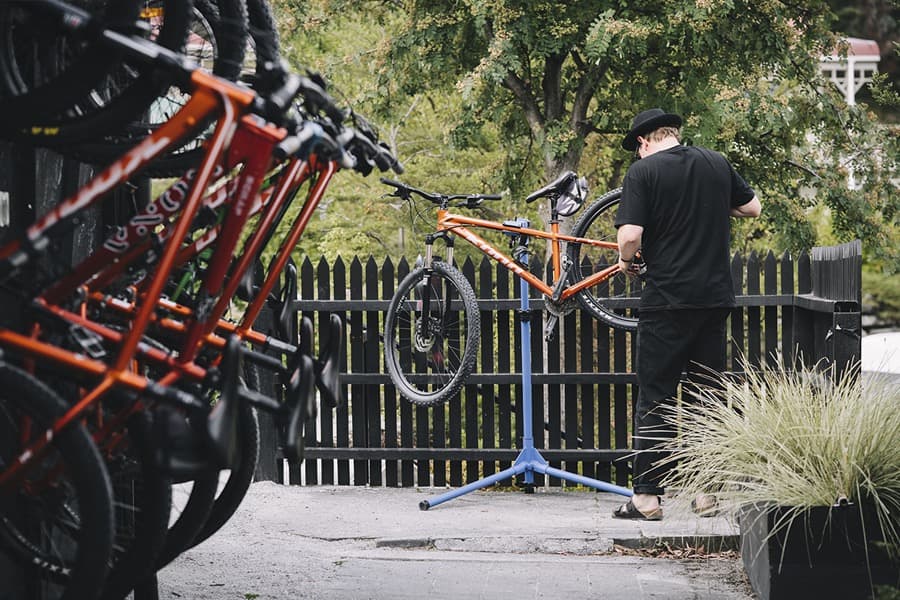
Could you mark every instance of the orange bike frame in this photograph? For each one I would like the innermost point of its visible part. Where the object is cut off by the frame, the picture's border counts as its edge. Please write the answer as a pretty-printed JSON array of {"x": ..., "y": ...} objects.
[{"x": 458, "y": 225}]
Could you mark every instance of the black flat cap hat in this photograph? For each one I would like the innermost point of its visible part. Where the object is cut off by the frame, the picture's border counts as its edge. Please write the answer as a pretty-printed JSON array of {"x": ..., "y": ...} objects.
[{"x": 646, "y": 122}]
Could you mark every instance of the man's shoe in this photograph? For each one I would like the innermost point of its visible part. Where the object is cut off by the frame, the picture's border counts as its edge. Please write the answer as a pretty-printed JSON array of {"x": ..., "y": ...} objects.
[
  {"x": 630, "y": 511},
  {"x": 705, "y": 505}
]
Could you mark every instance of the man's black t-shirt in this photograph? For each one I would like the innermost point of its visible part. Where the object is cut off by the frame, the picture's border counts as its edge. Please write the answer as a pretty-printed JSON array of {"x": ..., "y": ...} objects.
[{"x": 682, "y": 197}]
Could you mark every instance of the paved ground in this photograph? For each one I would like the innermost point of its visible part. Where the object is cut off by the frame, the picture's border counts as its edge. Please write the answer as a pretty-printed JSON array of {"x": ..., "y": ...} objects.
[{"x": 355, "y": 543}]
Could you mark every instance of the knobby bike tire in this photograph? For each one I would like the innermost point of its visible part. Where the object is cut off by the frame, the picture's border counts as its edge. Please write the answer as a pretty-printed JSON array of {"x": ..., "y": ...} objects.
[
  {"x": 604, "y": 301},
  {"x": 263, "y": 33},
  {"x": 80, "y": 489},
  {"x": 223, "y": 27},
  {"x": 429, "y": 368},
  {"x": 239, "y": 477},
  {"x": 123, "y": 95},
  {"x": 73, "y": 64},
  {"x": 143, "y": 499},
  {"x": 186, "y": 524}
]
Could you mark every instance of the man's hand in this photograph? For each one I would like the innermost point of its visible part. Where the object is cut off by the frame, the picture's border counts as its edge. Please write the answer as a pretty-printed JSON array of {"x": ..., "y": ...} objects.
[{"x": 629, "y": 268}]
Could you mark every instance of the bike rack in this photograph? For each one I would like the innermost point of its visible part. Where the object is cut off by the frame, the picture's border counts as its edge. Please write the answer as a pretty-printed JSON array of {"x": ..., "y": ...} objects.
[{"x": 529, "y": 461}]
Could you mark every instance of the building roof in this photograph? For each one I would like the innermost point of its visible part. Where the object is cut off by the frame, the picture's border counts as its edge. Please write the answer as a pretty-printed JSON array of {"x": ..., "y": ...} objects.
[{"x": 859, "y": 48}]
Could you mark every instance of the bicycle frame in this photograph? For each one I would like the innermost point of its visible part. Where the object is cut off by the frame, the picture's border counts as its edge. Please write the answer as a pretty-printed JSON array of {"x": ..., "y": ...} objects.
[
  {"x": 211, "y": 97},
  {"x": 459, "y": 225}
]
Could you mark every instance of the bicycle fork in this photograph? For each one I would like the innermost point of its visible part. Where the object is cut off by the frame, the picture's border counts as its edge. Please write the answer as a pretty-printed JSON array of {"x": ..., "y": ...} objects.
[{"x": 424, "y": 327}]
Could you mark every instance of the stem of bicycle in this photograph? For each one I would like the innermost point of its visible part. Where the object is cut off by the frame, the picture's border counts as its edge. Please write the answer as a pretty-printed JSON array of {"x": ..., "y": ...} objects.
[{"x": 326, "y": 171}]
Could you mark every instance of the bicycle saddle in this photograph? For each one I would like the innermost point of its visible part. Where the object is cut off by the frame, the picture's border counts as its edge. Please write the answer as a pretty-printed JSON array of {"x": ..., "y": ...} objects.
[
  {"x": 555, "y": 188},
  {"x": 222, "y": 424},
  {"x": 298, "y": 397},
  {"x": 328, "y": 364},
  {"x": 287, "y": 316}
]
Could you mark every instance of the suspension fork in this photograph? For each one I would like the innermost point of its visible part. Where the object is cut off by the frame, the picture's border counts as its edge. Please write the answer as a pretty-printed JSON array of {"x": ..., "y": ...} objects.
[{"x": 429, "y": 271}]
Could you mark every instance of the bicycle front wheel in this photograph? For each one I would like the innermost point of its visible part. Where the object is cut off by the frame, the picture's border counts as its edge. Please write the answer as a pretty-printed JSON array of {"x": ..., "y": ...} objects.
[
  {"x": 431, "y": 334},
  {"x": 56, "y": 519},
  {"x": 614, "y": 300}
]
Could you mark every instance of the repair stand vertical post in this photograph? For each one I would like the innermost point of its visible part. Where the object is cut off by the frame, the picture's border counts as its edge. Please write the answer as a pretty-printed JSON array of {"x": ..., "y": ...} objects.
[{"x": 529, "y": 459}]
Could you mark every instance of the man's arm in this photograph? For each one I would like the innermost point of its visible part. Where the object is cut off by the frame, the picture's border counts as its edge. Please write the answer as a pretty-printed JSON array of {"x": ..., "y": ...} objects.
[
  {"x": 751, "y": 209},
  {"x": 629, "y": 240}
]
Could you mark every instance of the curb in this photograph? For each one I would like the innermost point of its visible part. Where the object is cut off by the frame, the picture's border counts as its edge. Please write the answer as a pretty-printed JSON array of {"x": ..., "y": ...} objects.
[{"x": 582, "y": 546}]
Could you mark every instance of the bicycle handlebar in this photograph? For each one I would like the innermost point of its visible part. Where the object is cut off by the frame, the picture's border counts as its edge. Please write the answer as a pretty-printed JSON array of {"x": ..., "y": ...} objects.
[{"x": 403, "y": 191}]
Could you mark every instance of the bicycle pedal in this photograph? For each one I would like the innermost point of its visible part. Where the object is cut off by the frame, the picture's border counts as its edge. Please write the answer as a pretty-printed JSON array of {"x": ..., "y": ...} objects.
[
  {"x": 550, "y": 327},
  {"x": 89, "y": 342}
]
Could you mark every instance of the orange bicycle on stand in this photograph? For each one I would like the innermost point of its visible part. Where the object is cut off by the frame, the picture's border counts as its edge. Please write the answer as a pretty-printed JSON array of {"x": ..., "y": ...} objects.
[{"x": 432, "y": 325}]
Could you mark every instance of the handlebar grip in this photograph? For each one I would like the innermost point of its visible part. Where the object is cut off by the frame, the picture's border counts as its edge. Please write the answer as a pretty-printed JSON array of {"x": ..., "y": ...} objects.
[
  {"x": 279, "y": 100},
  {"x": 294, "y": 144},
  {"x": 391, "y": 182},
  {"x": 319, "y": 99}
]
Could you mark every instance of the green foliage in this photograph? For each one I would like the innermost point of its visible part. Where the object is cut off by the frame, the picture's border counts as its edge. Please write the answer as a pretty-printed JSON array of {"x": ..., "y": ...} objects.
[
  {"x": 882, "y": 294},
  {"x": 503, "y": 94},
  {"x": 791, "y": 438}
]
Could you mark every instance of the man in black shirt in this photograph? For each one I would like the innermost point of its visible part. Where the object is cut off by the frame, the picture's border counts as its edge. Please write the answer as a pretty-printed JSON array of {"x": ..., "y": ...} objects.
[{"x": 676, "y": 207}]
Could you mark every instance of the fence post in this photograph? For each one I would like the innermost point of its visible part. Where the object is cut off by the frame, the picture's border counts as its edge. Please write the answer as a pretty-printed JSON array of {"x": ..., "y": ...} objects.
[{"x": 837, "y": 276}]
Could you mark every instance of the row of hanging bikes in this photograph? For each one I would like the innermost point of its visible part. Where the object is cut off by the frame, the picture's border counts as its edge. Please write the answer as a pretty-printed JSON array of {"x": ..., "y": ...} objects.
[{"x": 129, "y": 381}]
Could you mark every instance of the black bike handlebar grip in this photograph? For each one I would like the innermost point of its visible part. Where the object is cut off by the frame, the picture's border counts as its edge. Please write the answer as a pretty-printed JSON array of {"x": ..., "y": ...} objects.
[
  {"x": 319, "y": 99},
  {"x": 280, "y": 100},
  {"x": 372, "y": 152},
  {"x": 292, "y": 144},
  {"x": 391, "y": 182},
  {"x": 490, "y": 197}
]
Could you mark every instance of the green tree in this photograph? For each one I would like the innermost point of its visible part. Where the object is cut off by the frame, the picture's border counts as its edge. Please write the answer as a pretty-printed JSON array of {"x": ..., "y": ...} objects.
[{"x": 744, "y": 74}]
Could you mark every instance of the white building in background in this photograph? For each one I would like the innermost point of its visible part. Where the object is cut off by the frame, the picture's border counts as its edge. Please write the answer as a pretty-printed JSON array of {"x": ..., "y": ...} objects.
[{"x": 849, "y": 73}]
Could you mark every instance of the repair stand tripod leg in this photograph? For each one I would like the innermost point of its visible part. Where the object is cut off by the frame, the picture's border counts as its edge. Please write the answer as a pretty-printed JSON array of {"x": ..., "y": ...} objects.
[{"x": 529, "y": 460}]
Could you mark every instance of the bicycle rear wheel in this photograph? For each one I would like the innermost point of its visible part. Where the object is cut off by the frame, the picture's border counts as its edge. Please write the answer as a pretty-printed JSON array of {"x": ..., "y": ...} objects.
[
  {"x": 614, "y": 300},
  {"x": 430, "y": 354},
  {"x": 143, "y": 499},
  {"x": 57, "y": 520},
  {"x": 217, "y": 40},
  {"x": 46, "y": 67}
]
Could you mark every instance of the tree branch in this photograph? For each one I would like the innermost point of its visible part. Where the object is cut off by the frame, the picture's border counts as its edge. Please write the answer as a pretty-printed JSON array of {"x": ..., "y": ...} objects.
[
  {"x": 587, "y": 85},
  {"x": 522, "y": 92},
  {"x": 552, "y": 84}
]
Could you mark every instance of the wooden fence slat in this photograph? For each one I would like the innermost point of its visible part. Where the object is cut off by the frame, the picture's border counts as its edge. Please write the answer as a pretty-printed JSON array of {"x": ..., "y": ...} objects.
[
  {"x": 570, "y": 392},
  {"x": 554, "y": 426},
  {"x": 787, "y": 312},
  {"x": 538, "y": 398},
  {"x": 737, "y": 315},
  {"x": 471, "y": 394},
  {"x": 505, "y": 363},
  {"x": 312, "y": 287},
  {"x": 342, "y": 413},
  {"x": 605, "y": 398},
  {"x": 770, "y": 317},
  {"x": 358, "y": 364},
  {"x": 488, "y": 398},
  {"x": 407, "y": 426},
  {"x": 373, "y": 362},
  {"x": 587, "y": 341},
  {"x": 753, "y": 312},
  {"x": 623, "y": 409},
  {"x": 391, "y": 475}
]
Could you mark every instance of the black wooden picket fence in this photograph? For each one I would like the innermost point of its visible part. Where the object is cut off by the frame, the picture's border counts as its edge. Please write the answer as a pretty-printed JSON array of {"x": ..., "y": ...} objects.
[{"x": 806, "y": 309}]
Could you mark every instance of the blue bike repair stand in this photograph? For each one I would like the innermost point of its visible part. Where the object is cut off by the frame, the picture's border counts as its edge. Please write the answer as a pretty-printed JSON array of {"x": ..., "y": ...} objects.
[{"x": 529, "y": 461}]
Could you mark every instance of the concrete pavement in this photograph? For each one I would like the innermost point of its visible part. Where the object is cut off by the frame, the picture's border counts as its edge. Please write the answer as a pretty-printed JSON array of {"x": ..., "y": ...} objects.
[{"x": 358, "y": 543}]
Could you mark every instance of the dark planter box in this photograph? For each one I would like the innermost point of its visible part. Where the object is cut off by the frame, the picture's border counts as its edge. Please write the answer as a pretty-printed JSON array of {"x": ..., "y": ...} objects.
[{"x": 822, "y": 554}]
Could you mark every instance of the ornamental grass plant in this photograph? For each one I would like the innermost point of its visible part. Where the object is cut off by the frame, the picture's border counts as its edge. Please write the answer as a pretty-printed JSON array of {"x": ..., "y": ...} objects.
[{"x": 792, "y": 438}]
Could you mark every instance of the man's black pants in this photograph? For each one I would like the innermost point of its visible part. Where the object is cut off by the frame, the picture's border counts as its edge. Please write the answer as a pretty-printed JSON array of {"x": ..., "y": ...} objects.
[{"x": 669, "y": 342}]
